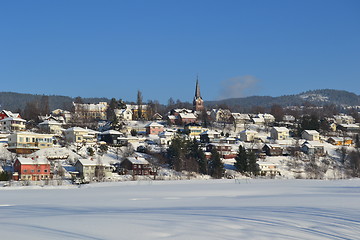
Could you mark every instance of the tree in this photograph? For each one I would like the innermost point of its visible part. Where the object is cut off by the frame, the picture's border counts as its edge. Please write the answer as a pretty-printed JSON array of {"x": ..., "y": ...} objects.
[
  {"x": 253, "y": 167},
  {"x": 176, "y": 153},
  {"x": 353, "y": 164},
  {"x": 139, "y": 104},
  {"x": 44, "y": 105},
  {"x": 197, "y": 157},
  {"x": 110, "y": 112},
  {"x": 278, "y": 112},
  {"x": 216, "y": 167},
  {"x": 241, "y": 159},
  {"x": 32, "y": 111}
]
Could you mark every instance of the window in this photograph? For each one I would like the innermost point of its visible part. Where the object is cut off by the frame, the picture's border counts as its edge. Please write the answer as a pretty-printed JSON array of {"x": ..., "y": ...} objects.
[
  {"x": 45, "y": 170},
  {"x": 32, "y": 171},
  {"x": 38, "y": 170},
  {"x": 25, "y": 171}
]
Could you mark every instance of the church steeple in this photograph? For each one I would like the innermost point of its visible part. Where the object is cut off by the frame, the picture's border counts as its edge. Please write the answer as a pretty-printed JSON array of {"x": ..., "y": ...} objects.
[
  {"x": 197, "y": 90},
  {"x": 198, "y": 103}
]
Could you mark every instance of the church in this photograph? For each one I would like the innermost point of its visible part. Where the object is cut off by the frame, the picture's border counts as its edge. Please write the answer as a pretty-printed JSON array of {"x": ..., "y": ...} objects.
[{"x": 198, "y": 103}]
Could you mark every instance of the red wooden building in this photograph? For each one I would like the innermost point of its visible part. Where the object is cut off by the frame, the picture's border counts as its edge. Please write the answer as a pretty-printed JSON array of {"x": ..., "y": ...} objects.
[{"x": 32, "y": 169}]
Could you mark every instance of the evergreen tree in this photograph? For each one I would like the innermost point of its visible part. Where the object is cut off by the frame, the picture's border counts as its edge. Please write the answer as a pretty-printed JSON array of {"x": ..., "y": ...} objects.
[
  {"x": 216, "y": 167},
  {"x": 197, "y": 154},
  {"x": 253, "y": 167},
  {"x": 175, "y": 154},
  {"x": 241, "y": 159}
]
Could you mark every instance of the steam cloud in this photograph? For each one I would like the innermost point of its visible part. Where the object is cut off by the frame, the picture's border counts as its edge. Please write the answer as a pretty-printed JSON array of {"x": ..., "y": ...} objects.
[{"x": 238, "y": 87}]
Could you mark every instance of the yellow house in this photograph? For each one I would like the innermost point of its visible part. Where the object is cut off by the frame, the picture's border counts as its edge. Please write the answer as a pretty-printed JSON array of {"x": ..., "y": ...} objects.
[
  {"x": 193, "y": 129},
  {"x": 28, "y": 142},
  {"x": 340, "y": 141}
]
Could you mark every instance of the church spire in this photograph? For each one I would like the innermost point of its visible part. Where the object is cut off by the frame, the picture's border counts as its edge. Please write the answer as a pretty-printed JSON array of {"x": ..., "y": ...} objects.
[
  {"x": 197, "y": 90},
  {"x": 198, "y": 103}
]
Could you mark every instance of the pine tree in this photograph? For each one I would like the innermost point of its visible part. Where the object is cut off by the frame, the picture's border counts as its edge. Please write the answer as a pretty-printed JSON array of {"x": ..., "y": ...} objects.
[
  {"x": 216, "y": 167},
  {"x": 197, "y": 154},
  {"x": 253, "y": 167},
  {"x": 241, "y": 158}
]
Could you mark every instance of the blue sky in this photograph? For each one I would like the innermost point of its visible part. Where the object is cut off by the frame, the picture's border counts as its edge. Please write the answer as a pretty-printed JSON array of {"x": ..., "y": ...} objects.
[{"x": 237, "y": 48}]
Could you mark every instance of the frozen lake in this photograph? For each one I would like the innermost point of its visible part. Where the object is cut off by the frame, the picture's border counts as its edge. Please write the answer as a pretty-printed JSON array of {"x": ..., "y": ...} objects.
[{"x": 212, "y": 209}]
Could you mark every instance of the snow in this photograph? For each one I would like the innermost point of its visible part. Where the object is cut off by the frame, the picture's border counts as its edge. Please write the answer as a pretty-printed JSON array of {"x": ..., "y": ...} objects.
[{"x": 207, "y": 209}]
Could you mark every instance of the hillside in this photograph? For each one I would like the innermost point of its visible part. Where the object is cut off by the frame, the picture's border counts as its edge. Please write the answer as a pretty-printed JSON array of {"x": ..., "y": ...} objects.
[
  {"x": 15, "y": 101},
  {"x": 316, "y": 97}
]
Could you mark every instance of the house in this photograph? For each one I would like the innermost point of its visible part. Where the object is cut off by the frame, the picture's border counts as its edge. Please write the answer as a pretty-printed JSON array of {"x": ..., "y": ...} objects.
[
  {"x": 268, "y": 118},
  {"x": 240, "y": 118},
  {"x": 289, "y": 118},
  {"x": 91, "y": 111},
  {"x": 51, "y": 126},
  {"x": 186, "y": 118},
  {"x": 273, "y": 149},
  {"x": 80, "y": 135},
  {"x": 8, "y": 114},
  {"x": 344, "y": 119},
  {"x": 157, "y": 117},
  {"x": 28, "y": 142},
  {"x": 248, "y": 135},
  {"x": 31, "y": 169},
  {"x": 349, "y": 128},
  {"x": 223, "y": 149},
  {"x": 340, "y": 141},
  {"x": 313, "y": 147},
  {"x": 111, "y": 137},
  {"x": 136, "y": 109},
  {"x": 268, "y": 169},
  {"x": 311, "y": 135},
  {"x": 135, "y": 166},
  {"x": 166, "y": 137},
  {"x": 209, "y": 136},
  {"x": 258, "y": 121},
  {"x": 221, "y": 115},
  {"x": 154, "y": 128},
  {"x": 124, "y": 114},
  {"x": 279, "y": 133},
  {"x": 94, "y": 169},
  {"x": 193, "y": 129},
  {"x": 12, "y": 124}
]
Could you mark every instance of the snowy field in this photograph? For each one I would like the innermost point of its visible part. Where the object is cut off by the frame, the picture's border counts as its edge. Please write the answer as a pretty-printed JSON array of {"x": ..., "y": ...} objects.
[{"x": 212, "y": 209}]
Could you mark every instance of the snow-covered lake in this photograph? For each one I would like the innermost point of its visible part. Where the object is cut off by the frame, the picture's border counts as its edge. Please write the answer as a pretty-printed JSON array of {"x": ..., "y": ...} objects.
[{"x": 212, "y": 209}]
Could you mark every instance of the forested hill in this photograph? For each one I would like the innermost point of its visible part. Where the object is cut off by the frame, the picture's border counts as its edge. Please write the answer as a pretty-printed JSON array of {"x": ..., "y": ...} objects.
[
  {"x": 17, "y": 101},
  {"x": 315, "y": 97}
]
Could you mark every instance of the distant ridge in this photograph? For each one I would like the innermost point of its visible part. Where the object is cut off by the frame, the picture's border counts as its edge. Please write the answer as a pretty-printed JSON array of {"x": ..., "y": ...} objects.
[
  {"x": 316, "y": 97},
  {"x": 15, "y": 101}
]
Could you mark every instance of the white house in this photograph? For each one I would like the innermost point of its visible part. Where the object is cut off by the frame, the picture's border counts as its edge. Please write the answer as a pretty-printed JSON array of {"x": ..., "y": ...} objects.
[
  {"x": 80, "y": 135},
  {"x": 311, "y": 135},
  {"x": 279, "y": 133},
  {"x": 124, "y": 114},
  {"x": 248, "y": 135},
  {"x": 51, "y": 126},
  {"x": 91, "y": 169},
  {"x": 12, "y": 124}
]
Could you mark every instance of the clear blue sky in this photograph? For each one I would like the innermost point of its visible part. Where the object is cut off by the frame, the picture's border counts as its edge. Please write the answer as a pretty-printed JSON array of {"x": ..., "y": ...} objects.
[{"x": 238, "y": 48}]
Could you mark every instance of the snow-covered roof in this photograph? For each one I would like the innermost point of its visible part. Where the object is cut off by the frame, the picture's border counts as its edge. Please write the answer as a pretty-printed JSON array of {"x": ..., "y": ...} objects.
[
  {"x": 187, "y": 115},
  {"x": 113, "y": 132},
  {"x": 154, "y": 124},
  {"x": 281, "y": 129},
  {"x": 49, "y": 122},
  {"x": 137, "y": 160},
  {"x": 35, "y": 160},
  {"x": 93, "y": 162},
  {"x": 249, "y": 131},
  {"x": 312, "y": 132},
  {"x": 209, "y": 132},
  {"x": 13, "y": 119}
]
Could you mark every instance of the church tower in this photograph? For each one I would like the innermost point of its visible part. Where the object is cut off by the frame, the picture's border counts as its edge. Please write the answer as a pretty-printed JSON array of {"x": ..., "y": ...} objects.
[{"x": 198, "y": 103}]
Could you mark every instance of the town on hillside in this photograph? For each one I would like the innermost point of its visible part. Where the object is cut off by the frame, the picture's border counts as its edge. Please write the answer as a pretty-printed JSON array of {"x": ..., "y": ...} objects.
[{"x": 116, "y": 141}]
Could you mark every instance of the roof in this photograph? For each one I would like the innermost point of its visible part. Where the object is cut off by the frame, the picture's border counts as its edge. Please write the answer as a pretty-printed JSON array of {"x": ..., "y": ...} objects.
[
  {"x": 187, "y": 115},
  {"x": 49, "y": 122},
  {"x": 281, "y": 129},
  {"x": 114, "y": 132},
  {"x": 33, "y": 161},
  {"x": 13, "y": 119},
  {"x": 154, "y": 124},
  {"x": 137, "y": 160},
  {"x": 311, "y": 132},
  {"x": 92, "y": 162}
]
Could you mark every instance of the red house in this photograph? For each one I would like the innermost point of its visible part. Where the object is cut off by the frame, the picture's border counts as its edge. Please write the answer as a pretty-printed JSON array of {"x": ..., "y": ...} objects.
[
  {"x": 8, "y": 114},
  {"x": 135, "y": 166},
  {"x": 32, "y": 169},
  {"x": 154, "y": 128}
]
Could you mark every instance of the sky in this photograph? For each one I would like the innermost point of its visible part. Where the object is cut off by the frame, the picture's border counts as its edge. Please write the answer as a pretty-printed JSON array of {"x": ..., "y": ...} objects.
[{"x": 235, "y": 48}]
